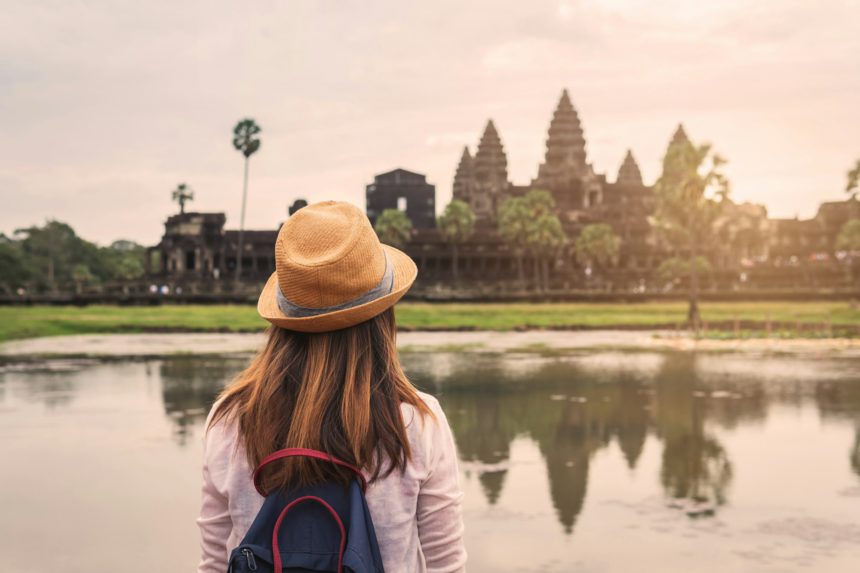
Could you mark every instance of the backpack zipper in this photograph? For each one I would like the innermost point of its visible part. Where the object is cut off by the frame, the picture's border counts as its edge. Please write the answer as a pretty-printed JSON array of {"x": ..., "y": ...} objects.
[{"x": 249, "y": 555}]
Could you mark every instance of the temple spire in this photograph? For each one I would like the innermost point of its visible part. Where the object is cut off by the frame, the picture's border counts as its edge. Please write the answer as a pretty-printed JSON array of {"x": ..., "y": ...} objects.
[
  {"x": 629, "y": 173},
  {"x": 491, "y": 163},
  {"x": 464, "y": 176},
  {"x": 680, "y": 136},
  {"x": 565, "y": 143},
  {"x": 464, "y": 168},
  {"x": 489, "y": 175}
]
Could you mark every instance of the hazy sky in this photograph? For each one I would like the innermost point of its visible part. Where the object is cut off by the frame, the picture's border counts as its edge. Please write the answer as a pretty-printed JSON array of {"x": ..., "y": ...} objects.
[{"x": 106, "y": 105}]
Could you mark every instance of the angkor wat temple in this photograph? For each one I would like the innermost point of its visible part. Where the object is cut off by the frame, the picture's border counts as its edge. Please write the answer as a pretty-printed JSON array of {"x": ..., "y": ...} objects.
[{"x": 754, "y": 252}]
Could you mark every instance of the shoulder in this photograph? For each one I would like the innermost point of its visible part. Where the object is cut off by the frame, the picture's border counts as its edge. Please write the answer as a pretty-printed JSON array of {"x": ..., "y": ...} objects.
[
  {"x": 411, "y": 414},
  {"x": 220, "y": 434}
]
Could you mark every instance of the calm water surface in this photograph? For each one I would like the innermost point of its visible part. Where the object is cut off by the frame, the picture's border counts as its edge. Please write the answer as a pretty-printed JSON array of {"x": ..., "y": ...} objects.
[{"x": 594, "y": 462}]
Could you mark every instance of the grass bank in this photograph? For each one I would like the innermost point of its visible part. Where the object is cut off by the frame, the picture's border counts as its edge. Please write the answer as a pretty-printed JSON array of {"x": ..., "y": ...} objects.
[{"x": 812, "y": 319}]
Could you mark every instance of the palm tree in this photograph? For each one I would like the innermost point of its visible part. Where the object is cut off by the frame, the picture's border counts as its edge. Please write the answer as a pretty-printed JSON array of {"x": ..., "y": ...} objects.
[
  {"x": 853, "y": 180},
  {"x": 457, "y": 223},
  {"x": 393, "y": 228},
  {"x": 690, "y": 195},
  {"x": 513, "y": 227},
  {"x": 246, "y": 140},
  {"x": 849, "y": 240},
  {"x": 544, "y": 235},
  {"x": 81, "y": 275},
  {"x": 597, "y": 245},
  {"x": 182, "y": 194}
]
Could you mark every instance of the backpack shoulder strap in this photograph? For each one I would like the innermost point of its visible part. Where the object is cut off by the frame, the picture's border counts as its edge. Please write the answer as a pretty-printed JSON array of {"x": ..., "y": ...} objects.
[{"x": 305, "y": 453}]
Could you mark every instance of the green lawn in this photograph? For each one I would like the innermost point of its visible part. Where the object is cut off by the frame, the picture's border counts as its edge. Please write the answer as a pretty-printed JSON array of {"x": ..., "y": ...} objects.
[{"x": 26, "y": 322}]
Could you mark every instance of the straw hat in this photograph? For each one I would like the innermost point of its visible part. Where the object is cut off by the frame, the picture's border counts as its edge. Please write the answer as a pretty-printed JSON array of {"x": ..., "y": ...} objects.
[{"x": 331, "y": 271}]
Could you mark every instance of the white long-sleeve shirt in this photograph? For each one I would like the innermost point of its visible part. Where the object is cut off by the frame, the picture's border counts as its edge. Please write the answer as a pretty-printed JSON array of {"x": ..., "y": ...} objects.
[{"x": 417, "y": 514}]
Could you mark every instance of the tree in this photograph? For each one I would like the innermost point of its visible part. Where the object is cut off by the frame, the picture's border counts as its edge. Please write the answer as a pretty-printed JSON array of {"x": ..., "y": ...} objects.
[
  {"x": 677, "y": 268},
  {"x": 544, "y": 235},
  {"x": 849, "y": 236},
  {"x": 545, "y": 238},
  {"x": 14, "y": 270},
  {"x": 393, "y": 228},
  {"x": 597, "y": 245},
  {"x": 529, "y": 223},
  {"x": 513, "y": 227},
  {"x": 849, "y": 240},
  {"x": 126, "y": 259},
  {"x": 182, "y": 194},
  {"x": 853, "y": 180},
  {"x": 690, "y": 195},
  {"x": 457, "y": 223},
  {"x": 81, "y": 275},
  {"x": 51, "y": 251},
  {"x": 54, "y": 258},
  {"x": 245, "y": 140}
]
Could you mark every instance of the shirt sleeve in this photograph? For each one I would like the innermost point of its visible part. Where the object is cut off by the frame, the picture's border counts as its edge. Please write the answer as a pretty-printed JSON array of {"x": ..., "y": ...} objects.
[
  {"x": 215, "y": 522},
  {"x": 440, "y": 500}
]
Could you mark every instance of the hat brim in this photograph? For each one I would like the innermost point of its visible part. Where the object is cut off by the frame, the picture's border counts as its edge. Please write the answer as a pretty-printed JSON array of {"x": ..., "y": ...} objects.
[{"x": 405, "y": 273}]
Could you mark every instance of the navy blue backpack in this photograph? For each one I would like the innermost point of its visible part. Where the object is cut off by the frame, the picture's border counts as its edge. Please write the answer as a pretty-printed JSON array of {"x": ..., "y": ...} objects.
[{"x": 324, "y": 527}]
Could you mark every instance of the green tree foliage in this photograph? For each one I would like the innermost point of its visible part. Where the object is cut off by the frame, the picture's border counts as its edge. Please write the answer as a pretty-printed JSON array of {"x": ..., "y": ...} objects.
[
  {"x": 529, "y": 223},
  {"x": 597, "y": 245},
  {"x": 677, "y": 268},
  {"x": 513, "y": 221},
  {"x": 181, "y": 195},
  {"x": 456, "y": 223},
  {"x": 849, "y": 240},
  {"x": 52, "y": 258},
  {"x": 14, "y": 270},
  {"x": 849, "y": 236},
  {"x": 690, "y": 195},
  {"x": 853, "y": 179},
  {"x": 81, "y": 275},
  {"x": 246, "y": 140},
  {"x": 393, "y": 228}
]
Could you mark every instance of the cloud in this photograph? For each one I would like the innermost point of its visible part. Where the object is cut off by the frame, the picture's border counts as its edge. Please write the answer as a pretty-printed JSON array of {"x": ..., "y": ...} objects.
[{"x": 105, "y": 106}]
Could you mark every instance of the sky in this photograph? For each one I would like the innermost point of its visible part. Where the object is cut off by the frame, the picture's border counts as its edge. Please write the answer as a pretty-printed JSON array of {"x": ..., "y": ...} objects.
[{"x": 106, "y": 105}]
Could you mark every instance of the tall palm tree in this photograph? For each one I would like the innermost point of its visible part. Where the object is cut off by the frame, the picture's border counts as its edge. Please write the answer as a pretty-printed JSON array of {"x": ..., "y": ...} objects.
[
  {"x": 597, "y": 245},
  {"x": 513, "y": 227},
  {"x": 457, "y": 223},
  {"x": 853, "y": 180},
  {"x": 393, "y": 228},
  {"x": 690, "y": 196},
  {"x": 245, "y": 140},
  {"x": 544, "y": 234},
  {"x": 182, "y": 194}
]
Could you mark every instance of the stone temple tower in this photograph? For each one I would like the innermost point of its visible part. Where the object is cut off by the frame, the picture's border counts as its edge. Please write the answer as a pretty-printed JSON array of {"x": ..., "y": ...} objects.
[
  {"x": 628, "y": 173},
  {"x": 464, "y": 178},
  {"x": 565, "y": 144},
  {"x": 482, "y": 181},
  {"x": 565, "y": 171}
]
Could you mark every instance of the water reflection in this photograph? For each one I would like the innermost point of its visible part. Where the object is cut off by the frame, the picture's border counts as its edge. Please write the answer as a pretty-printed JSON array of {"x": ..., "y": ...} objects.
[
  {"x": 190, "y": 385},
  {"x": 572, "y": 408}
]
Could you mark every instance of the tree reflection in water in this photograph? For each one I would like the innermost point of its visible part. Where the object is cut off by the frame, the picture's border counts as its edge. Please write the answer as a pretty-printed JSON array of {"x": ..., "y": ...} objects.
[
  {"x": 573, "y": 411},
  {"x": 855, "y": 451},
  {"x": 189, "y": 387},
  {"x": 841, "y": 400},
  {"x": 695, "y": 470}
]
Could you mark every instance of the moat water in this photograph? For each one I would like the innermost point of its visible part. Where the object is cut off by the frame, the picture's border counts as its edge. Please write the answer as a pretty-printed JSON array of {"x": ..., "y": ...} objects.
[{"x": 600, "y": 461}]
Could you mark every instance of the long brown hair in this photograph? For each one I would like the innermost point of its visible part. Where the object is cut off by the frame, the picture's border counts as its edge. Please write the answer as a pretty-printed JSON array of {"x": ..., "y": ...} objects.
[{"x": 339, "y": 392}]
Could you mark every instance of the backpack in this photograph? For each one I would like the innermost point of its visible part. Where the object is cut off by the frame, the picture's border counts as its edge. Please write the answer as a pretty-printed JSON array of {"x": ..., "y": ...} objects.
[{"x": 323, "y": 527}]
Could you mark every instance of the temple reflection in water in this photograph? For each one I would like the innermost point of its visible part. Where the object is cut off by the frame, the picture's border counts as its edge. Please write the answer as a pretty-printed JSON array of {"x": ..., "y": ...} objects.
[{"x": 572, "y": 407}]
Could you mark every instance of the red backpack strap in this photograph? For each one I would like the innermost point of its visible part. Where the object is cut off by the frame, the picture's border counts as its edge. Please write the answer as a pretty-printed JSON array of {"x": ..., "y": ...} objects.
[{"x": 305, "y": 453}]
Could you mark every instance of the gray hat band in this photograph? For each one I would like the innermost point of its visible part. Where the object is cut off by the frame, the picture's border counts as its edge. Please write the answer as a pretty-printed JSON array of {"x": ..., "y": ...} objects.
[{"x": 384, "y": 287}]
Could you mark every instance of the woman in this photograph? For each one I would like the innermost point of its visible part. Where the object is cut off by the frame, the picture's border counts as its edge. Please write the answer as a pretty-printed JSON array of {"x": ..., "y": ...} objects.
[{"x": 328, "y": 378}]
